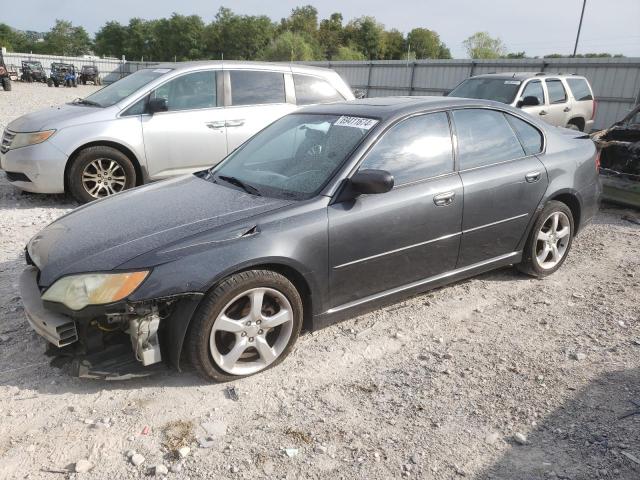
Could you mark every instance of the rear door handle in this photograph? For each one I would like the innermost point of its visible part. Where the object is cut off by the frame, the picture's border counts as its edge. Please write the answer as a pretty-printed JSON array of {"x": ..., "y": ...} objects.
[
  {"x": 532, "y": 177},
  {"x": 542, "y": 112},
  {"x": 215, "y": 125},
  {"x": 235, "y": 123},
  {"x": 444, "y": 199}
]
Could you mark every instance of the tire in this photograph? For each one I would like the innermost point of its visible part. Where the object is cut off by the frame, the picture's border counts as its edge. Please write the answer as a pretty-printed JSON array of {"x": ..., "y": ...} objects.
[
  {"x": 75, "y": 84},
  {"x": 84, "y": 82},
  {"x": 573, "y": 126},
  {"x": 55, "y": 83},
  {"x": 49, "y": 83},
  {"x": 94, "y": 164},
  {"x": 535, "y": 261},
  {"x": 6, "y": 84},
  {"x": 230, "y": 295}
]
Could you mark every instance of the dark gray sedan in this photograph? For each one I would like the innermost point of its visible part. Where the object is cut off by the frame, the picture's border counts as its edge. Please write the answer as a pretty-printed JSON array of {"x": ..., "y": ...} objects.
[{"x": 325, "y": 213}]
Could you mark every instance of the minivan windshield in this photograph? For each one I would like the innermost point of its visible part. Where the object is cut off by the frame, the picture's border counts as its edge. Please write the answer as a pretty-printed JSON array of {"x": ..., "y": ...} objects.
[
  {"x": 295, "y": 156},
  {"x": 499, "y": 89},
  {"x": 112, "y": 94}
]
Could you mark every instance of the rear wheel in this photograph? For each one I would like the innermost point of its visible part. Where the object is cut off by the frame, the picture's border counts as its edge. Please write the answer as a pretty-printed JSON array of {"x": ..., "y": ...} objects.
[
  {"x": 49, "y": 83},
  {"x": 249, "y": 323},
  {"x": 6, "y": 84},
  {"x": 99, "y": 172},
  {"x": 549, "y": 241}
]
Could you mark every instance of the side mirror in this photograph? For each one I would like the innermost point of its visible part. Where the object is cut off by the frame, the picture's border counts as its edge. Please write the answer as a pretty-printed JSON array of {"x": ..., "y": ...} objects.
[
  {"x": 156, "y": 105},
  {"x": 529, "y": 101},
  {"x": 371, "y": 181}
]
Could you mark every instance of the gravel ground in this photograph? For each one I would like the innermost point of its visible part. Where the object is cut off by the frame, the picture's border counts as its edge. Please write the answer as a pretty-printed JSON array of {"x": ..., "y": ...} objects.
[{"x": 501, "y": 376}]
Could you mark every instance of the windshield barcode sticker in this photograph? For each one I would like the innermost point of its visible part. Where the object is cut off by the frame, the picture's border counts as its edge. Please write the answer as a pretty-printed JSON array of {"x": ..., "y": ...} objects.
[
  {"x": 356, "y": 122},
  {"x": 162, "y": 70},
  {"x": 512, "y": 82}
]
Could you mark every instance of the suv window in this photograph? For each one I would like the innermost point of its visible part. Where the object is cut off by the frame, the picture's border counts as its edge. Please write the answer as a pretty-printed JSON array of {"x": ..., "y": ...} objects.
[
  {"x": 314, "y": 90},
  {"x": 417, "y": 148},
  {"x": 557, "y": 93},
  {"x": 534, "y": 89},
  {"x": 530, "y": 137},
  {"x": 484, "y": 137},
  {"x": 189, "y": 92},
  {"x": 580, "y": 89},
  {"x": 256, "y": 88}
]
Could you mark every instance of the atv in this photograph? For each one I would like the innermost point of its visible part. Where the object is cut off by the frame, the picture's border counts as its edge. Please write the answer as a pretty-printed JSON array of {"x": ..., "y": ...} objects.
[
  {"x": 90, "y": 73},
  {"x": 62, "y": 74},
  {"x": 33, "y": 72},
  {"x": 5, "y": 79}
]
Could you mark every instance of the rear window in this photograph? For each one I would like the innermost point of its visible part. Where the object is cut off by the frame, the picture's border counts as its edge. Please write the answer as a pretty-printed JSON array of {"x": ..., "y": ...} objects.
[
  {"x": 314, "y": 90},
  {"x": 580, "y": 89},
  {"x": 557, "y": 93},
  {"x": 256, "y": 88},
  {"x": 499, "y": 89}
]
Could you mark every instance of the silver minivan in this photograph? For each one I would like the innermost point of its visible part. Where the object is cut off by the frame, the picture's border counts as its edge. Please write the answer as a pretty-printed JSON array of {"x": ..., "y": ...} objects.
[{"x": 162, "y": 121}]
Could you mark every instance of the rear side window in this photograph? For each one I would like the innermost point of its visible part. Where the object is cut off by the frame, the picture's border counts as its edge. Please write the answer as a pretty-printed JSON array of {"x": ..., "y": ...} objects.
[
  {"x": 534, "y": 89},
  {"x": 530, "y": 137},
  {"x": 417, "y": 148},
  {"x": 314, "y": 90},
  {"x": 557, "y": 93},
  {"x": 256, "y": 88},
  {"x": 580, "y": 89},
  {"x": 484, "y": 137}
]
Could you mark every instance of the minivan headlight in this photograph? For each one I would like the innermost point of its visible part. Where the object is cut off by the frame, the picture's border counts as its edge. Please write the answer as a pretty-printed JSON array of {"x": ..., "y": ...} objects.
[
  {"x": 78, "y": 291},
  {"x": 31, "y": 138}
]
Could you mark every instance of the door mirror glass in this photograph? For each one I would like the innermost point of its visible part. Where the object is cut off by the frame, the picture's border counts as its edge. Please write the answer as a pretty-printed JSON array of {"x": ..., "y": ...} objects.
[
  {"x": 156, "y": 105},
  {"x": 529, "y": 101},
  {"x": 371, "y": 181}
]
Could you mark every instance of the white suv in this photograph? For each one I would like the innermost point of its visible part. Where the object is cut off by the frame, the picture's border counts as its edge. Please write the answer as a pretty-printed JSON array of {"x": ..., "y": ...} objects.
[
  {"x": 162, "y": 121},
  {"x": 558, "y": 99}
]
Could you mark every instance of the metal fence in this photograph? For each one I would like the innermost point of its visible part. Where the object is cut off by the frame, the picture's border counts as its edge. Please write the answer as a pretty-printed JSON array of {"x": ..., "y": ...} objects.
[
  {"x": 615, "y": 81},
  {"x": 110, "y": 69}
]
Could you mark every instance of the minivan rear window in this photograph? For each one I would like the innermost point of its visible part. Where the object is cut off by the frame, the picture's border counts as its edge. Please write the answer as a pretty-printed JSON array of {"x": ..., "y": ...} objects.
[
  {"x": 252, "y": 87},
  {"x": 580, "y": 89}
]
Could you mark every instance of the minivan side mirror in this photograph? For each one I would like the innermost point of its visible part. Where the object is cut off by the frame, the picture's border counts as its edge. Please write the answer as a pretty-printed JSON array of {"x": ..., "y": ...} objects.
[
  {"x": 529, "y": 101},
  {"x": 156, "y": 105},
  {"x": 371, "y": 181}
]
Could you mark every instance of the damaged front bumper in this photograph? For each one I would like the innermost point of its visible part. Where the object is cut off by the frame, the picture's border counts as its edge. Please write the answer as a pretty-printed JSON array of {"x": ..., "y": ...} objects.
[{"x": 110, "y": 341}]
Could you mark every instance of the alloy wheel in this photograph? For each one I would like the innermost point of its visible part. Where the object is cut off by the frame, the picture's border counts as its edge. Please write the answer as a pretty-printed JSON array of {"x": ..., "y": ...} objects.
[
  {"x": 552, "y": 240},
  {"x": 251, "y": 331},
  {"x": 103, "y": 177}
]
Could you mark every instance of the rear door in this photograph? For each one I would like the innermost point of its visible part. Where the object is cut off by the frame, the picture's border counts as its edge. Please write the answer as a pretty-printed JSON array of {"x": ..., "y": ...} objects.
[
  {"x": 558, "y": 108},
  {"x": 378, "y": 242},
  {"x": 191, "y": 135},
  {"x": 503, "y": 181},
  {"x": 255, "y": 98}
]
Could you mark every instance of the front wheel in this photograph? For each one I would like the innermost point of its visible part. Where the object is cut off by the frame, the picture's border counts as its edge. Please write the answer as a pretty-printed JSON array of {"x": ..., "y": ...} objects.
[
  {"x": 549, "y": 241},
  {"x": 247, "y": 324},
  {"x": 49, "y": 83},
  {"x": 98, "y": 172},
  {"x": 6, "y": 84}
]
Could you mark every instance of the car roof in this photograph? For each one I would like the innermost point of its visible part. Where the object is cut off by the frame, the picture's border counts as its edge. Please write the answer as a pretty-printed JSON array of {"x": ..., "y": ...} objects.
[
  {"x": 392, "y": 107},
  {"x": 524, "y": 75},
  {"x": 285, "y": 67}
]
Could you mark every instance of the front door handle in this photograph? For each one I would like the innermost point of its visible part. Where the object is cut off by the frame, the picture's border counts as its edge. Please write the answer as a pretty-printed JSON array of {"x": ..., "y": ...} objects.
[
  {"x": 542, "y": 112},
  {"x": 235, "y": 123},
  {"x": 215, "y": 125},
  {"x": 532, "y": 177},
  {"x": 444, "y": 199}
]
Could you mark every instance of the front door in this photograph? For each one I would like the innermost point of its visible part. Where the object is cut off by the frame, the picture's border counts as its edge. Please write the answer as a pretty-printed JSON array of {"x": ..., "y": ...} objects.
[
  {"x": 379, "y": 242},
  {"x": 533, "y": 88},
  {"x": 503, "y": 181},
  {"x": 191, "y": 135}
]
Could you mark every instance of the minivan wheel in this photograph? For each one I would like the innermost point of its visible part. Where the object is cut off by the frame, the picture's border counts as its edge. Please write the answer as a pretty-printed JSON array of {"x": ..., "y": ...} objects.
[
  {"x": 247, "y": 324},
  {"x": 98, "y": 172},
  {"x": 549, "y": 241}
]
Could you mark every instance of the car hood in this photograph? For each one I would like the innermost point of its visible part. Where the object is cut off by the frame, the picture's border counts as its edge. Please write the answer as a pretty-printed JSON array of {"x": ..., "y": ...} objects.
[
  {"x": 57, "y": 117},
  {"x": 105, "y": 234}
]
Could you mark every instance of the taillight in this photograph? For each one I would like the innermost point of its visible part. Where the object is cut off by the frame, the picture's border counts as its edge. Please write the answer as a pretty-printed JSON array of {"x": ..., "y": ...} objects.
[
  {"x": 595, "y": 108},
  {"x": 598, "y": 159}
]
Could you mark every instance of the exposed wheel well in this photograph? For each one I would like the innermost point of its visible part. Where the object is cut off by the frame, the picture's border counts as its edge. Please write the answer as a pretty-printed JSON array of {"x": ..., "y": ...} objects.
[
  {"x": 573, "y": 203},
  {"x": 117, "y": 146},
  {"x": 578, "y": 122}
]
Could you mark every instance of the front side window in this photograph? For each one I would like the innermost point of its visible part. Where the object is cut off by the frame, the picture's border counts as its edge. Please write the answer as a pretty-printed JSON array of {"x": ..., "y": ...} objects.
[
  {"x": 117, "y": 91},
  {"x": 415, "y": 149},
  {"x": 498, "y": 89},
  {"x": 250, "y": 87},
  {"x": 295, "y": 156},
  {"x": 311, "y": 90},
  {"x": 557, "y": 93},
  {"x": 534, "y": 89},
  {"x": 530, "y": 137},
  {"x": 189, "y": 92},
  {"x": 580, "y": 89},
  {"x": 484, "y": 138}
]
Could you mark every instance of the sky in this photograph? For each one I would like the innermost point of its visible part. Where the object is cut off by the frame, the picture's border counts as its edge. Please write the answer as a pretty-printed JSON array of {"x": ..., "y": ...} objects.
[{"x": 537, "y": 27}]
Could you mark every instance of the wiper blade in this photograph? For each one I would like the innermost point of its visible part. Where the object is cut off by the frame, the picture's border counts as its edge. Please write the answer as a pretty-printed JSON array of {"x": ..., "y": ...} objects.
[
  {"x": 84, "y": 101},
  {"x": 250, "y": 189}
]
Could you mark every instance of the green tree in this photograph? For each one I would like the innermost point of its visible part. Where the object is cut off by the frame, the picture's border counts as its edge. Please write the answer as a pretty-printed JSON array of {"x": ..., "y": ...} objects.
[
  {"x": 366, "y": 35},
  {"x": 348, "y": 53},
  {"x": 65, "y": 39},
  {"x": 515, "y": 55},
  {"x": 394, "y": 45},
  {"x": 139, "y": 42},
  {"x": 178, "y": 37},
  {"x": 426, "y": 43},
  {"x": 237, "y": 37},
  {"x": 330, "y": 35},
  {"x": 303, "y": 20},
  {"x": 483, "y": 45},
  {"x": 288, "y": 47},
  {"x": 110, "y": 40},
  {"x": 444, "y": 52}
]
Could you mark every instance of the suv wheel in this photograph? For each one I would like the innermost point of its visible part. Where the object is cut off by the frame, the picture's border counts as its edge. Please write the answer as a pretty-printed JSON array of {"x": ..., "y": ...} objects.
[
  {"x": 549, "y": 241},
  {"x": 247, "y": 324},
  {"x": 98, "y": 172}
]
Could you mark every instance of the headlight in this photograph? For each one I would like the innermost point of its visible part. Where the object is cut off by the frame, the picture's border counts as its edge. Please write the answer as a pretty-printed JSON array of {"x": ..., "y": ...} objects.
[
  {"x": 26, "y": 139},
  {"x": 78, "y": 291}
]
